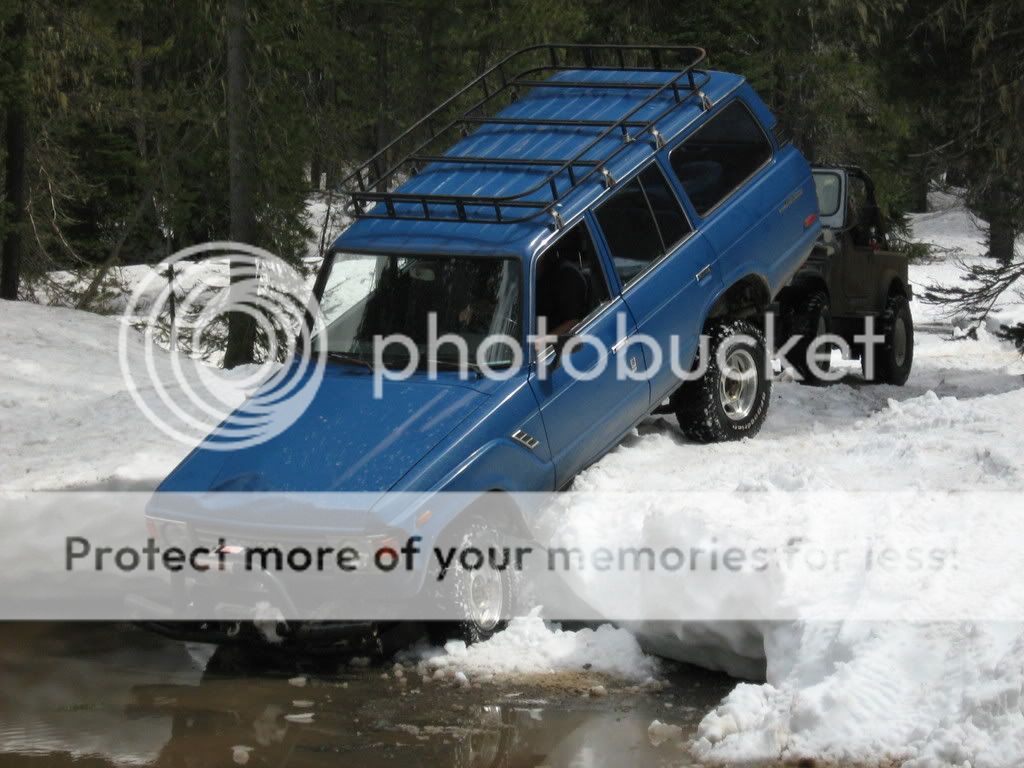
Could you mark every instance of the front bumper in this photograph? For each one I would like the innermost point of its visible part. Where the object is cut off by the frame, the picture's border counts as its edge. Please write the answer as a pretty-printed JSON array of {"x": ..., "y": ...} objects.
[{"x": 349, "y": 636}]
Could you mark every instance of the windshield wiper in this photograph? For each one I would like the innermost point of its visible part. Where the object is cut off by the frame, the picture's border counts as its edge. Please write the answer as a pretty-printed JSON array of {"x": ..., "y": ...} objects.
[
  {"x": 452, "y": 365},
  {"x": 341, "y": 357}
]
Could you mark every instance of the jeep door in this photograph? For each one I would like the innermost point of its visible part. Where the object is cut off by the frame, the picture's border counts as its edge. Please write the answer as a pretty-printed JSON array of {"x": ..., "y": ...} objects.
[
  {"x": 858, "y": 266},
  {"x": 666, "y": 271},
  {"x": 585, "y": 406}
]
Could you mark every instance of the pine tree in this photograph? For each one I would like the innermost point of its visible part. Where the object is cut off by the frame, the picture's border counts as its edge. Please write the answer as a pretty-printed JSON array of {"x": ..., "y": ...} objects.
[
  {"x": 963, "y": 60},
  {"x": 16, "y": 146}
]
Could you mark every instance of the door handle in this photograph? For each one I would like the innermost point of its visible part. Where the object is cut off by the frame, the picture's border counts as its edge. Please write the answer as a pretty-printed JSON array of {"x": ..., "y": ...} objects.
[
  {"x": 619, "y": 344},
  {"x": 704, "y": 272}
]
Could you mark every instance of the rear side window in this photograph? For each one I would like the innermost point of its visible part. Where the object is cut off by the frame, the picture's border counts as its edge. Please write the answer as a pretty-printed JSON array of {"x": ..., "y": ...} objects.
[
  {"x": 641, "y": 222},
  {"x": 720, "y": 156}
]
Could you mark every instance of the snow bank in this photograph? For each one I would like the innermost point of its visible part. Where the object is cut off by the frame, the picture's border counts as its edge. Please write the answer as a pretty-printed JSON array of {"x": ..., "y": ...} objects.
[
  {"x": 67, "y": 419},
  {"x": 868, "y": 693},
  {"x": 926, "y": 695},
  {"x": 529, "y": 646}
]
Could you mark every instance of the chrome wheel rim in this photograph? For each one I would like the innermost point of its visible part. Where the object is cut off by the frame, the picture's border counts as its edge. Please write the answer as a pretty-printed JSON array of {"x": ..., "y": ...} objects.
[
  {"x": 737, "y": 384},
  {"x": 485, "y": 598},
  {"x": 899, "y": 342}
]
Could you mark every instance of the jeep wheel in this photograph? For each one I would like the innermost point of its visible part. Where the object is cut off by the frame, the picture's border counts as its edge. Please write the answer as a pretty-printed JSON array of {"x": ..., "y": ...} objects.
[
  {"x": 895, "y": 356},
  {"x": 811, "y": 320},
  {"x": 729, "y": 403},
  {"x": 483, "y": 596}
]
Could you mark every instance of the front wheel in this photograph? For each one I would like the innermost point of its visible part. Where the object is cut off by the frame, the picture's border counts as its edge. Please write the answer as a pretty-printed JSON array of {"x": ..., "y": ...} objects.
[
  {"x": 483, "y": 596},
  {"x": 730, "y": 401},
  {"x": 895, "y": 357}
]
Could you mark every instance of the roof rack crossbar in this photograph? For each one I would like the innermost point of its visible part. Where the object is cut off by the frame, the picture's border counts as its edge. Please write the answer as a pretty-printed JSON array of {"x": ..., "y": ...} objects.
[
  {"x": 375, "y": 175},
  {"x": 553, "y": 122},
  {"x": 592, "y": 84},
  {"x": 484, "y": 160}
]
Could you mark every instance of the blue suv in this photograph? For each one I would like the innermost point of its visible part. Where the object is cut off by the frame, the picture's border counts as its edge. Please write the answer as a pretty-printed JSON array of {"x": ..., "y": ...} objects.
[{"x": 618, "y": 193}]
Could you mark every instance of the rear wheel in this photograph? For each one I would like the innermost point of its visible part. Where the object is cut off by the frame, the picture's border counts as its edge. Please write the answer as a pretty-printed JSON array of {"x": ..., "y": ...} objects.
[
  {"x": 894, "y": 358},
  {"x": 811, "y": 319},
  {"x": 730, "y": 402}
]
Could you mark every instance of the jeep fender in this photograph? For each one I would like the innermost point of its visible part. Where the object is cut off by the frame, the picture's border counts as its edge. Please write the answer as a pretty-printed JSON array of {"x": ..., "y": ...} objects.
[{"x": 891, "y": 284}]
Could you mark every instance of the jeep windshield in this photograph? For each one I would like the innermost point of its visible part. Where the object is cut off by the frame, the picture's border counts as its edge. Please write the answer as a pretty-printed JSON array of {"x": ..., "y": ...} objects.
[{"x": 380, "y": 295}]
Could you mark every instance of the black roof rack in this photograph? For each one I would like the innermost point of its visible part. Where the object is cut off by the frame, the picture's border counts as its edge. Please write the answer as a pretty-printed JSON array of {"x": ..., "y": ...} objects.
[{"x": 371, "y": 183}]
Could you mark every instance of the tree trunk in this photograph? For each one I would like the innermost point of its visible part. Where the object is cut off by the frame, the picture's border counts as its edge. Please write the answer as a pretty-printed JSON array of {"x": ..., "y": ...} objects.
[
  {"x": 139, "y": 94},
  {"x": 1001, "y": 240},
  {"x": 15, "y": 181},
  {"x": 919, "y": 185},
  {"x": 315, "y": 171},
  {"x": 383, "y": 108},
  {"x": 241, "y": 327},
  {"x": 995, "y": 205}
]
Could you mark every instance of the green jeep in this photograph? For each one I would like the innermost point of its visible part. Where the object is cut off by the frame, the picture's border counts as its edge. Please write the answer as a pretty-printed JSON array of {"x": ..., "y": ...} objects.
[{"x": 851, "y": 275}]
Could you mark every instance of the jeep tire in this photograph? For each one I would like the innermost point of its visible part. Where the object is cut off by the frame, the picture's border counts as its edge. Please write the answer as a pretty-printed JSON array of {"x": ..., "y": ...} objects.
[
  {"x": 811, "y": 319},
  {"x": 727, "y": 404},
  {"x": 895, "y": 356}
]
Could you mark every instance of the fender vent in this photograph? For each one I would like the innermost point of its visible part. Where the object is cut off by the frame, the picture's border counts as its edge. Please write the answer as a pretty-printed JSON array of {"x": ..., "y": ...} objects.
[{"x": 526, "y": 439}]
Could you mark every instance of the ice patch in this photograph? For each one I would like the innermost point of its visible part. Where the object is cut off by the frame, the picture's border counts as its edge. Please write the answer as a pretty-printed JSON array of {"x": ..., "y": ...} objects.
[
  {"x": 240, "y": 754},
  {"x": 528, "y": 646},
  {"x": 659, "y": 732}
]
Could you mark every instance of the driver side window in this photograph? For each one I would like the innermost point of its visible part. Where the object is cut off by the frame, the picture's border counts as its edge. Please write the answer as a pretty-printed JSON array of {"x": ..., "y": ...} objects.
[{"x": 570, "y": 282}]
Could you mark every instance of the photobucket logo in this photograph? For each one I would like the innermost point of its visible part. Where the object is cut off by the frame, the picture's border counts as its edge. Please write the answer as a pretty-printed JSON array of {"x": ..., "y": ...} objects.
[
  {"x": 184, "y": 308},
  {"x": 634, "y": 356}
]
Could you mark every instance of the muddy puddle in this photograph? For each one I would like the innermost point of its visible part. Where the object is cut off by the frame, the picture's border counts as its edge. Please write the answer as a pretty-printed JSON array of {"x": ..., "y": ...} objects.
[{"x": 110, "y": 695}]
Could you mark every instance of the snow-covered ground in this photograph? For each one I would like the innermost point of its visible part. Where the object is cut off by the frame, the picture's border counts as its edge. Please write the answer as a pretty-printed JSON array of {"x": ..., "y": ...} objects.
[
  {"x": 866, "y": 693},
  {"x": 67, "y": 419},
  {"x": 870, "y": 693},
  {"x": 959, "y": 239}
]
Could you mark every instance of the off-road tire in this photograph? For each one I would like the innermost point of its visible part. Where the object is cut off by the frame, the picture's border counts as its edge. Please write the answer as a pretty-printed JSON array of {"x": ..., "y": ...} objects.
[
  {"x": 477, "y": 532},
  {"x": 894, "y": 357},
  {"x": 699, "y": 404},
  {"x": 811, "y": 318}
]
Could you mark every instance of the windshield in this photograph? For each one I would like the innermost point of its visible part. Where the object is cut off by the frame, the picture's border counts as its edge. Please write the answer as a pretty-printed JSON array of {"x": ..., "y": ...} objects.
[
  {"x": 368, "y": 295},
  {"x": 828, "y": 186}
]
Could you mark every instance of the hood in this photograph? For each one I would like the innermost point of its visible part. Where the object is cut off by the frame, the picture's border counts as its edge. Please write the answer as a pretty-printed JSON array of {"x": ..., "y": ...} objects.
[{"x": 344, "y": 441}]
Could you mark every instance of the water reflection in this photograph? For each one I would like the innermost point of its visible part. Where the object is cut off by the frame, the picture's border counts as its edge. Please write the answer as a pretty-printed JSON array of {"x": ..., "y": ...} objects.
[{"x": 103, "y": 696}]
